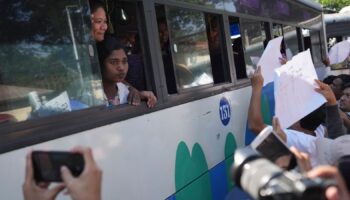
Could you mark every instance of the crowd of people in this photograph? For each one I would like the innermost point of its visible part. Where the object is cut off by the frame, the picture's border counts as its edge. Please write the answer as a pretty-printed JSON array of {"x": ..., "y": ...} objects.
[{"x": 328, "y": 121}]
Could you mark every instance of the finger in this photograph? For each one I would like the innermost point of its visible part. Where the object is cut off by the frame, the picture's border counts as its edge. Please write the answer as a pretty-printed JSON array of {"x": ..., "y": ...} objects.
[
  {"x": 323, "y": 171},
  {"x": 43, "y": 184},
  {"x": 56, "y": 189},
  {"x": 258, "y": 70},
  {"x": 295, "y": 151},
  {"x": 29, "y": 167},
  {"x": 332, "y": 193},
  {"x": 276, "y": 124},
  {"x": 88, "y": 156},
  {"x": 136, "y": 100},
  {"x": 66, "y": 175}
]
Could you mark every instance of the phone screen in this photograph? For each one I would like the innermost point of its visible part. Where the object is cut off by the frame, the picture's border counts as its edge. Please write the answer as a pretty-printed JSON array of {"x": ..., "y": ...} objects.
[
  {"x": 277, "y": 152},
  {"x": 47, "y": 165}
]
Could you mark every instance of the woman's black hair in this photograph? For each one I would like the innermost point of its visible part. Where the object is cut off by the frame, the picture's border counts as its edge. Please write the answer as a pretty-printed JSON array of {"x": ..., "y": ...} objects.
[
  {"x": 94, "y": 5},
  {"x": 106, "y": 47}
]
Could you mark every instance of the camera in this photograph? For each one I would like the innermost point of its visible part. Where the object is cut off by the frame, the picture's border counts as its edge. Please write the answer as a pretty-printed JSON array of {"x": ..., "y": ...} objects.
[{"x": 264, "y": 180}]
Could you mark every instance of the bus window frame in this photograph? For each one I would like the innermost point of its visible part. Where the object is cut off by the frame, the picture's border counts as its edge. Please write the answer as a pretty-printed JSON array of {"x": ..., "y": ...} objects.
[{"x": 26, "y": 133}]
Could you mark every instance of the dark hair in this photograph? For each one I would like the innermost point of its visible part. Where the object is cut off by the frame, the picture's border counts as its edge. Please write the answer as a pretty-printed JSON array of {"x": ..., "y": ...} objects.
[
  {"x": 343, "y": 167},
  {"x": 314, "y": 119},
  {"x": 345, "y": 78},
  {"x": 94, "y": 5},
  {"x": 106, "y": 47},
  {"x": 329, "y": 79},
  {"x": 347, "y": 85}
]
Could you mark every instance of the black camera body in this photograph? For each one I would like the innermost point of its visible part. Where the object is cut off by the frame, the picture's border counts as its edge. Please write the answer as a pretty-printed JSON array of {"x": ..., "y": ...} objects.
[{"x": 263, "y": 180}]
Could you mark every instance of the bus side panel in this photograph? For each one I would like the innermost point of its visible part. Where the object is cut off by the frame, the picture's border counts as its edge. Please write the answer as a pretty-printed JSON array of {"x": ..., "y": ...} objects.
[{"x": 138, "y": 156}]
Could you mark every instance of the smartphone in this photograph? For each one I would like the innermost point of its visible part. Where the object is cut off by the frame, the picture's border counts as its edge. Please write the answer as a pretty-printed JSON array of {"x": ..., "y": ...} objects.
[
  {"x": 270, "y": 145},
  {"x": 47, "y": 164}
]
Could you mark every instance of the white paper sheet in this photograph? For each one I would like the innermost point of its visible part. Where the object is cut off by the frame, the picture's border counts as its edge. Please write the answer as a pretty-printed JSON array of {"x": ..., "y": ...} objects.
[
  {"x": 269, "y": 60},
  {"x": 295, "y": 96},
  {"x": 339, "y": 52},
  {"x": 61, "y": 103},
  {"x": 255, "y": 60}
]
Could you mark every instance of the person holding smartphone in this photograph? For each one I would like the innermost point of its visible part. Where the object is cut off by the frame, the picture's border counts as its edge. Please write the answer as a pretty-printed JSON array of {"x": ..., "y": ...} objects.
[{"x": 87, "y": 186}]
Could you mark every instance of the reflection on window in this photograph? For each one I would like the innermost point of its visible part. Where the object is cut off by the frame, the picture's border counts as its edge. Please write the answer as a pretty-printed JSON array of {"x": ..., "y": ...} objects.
[
  {"x": 291, "y": 41},
  {"x": 237, "y": 48},
  {"x": 217, "y": 48},
  {"x": 46, "y": 69},
  {"x": 316, "y": 47},
  {"x": 277, "y": 30},
  {"x": 218, "y": 4},
  {"x": 253, "y": 35},
  {"x": 189, "y": 45},
  {"x": 312, "y": 42}
]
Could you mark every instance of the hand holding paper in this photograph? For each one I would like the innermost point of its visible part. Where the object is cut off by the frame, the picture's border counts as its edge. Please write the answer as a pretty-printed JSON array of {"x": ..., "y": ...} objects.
[{"x": 295, "y": 96}]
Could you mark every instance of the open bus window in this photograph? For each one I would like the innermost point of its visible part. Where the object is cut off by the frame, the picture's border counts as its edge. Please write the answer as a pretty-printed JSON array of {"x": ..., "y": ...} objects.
[
  {"x": 125, "y": 24},
  {"x": 237, "y": 48},
  {"x": 291, "y": 41},
  {"x": 46, "y": 69},
  {"x": 254, "y": 36},
  {"x": 192, "y": 48},
  {"x": 312, "y": 42}
]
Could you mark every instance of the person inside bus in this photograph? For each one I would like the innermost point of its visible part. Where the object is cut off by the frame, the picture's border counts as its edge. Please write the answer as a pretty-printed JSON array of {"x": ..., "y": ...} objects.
[
  {"x": 98, "y": 21},
  {"x": 114, "y": 67},
  {"x": 166, "y": 55},
  {"x": 86, "y": 186}
]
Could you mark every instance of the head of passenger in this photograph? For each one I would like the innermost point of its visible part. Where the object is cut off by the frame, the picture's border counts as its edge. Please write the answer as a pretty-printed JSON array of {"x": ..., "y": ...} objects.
[
  {"x": 314, "y": 119},
  {"x": 337, "y": 87},
  {"x": 329, "y": 79},
  {"x": 113, "y": 60},
  {"x": 99, "y": 21},
  {"x": 344, "y": 102},
  {"x": 163, "y": 32}
]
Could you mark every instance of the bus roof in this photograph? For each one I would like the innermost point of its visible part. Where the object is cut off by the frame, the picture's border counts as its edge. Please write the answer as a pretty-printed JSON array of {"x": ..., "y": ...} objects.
[{"x": 337, "y": 17}]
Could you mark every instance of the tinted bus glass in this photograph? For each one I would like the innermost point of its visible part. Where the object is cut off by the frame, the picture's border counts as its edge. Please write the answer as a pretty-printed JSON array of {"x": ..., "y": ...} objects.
[{"x": 46, "y": 59}]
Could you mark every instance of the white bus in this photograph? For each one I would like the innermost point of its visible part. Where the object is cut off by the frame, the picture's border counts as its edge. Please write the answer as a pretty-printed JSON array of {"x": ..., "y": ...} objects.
[{"x": 51, "y": 96}]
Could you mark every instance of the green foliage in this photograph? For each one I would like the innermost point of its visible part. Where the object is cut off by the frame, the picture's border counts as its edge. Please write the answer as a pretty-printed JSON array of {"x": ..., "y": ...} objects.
[{"x": 335, "y": 4}]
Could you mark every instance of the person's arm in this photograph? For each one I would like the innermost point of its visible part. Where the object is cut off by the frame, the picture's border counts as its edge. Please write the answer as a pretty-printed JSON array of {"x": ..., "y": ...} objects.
[
  {"x": 149, "y": 97},
  {"x": 88, "y": 185},
  {"x": 345, "y": 119},
  {"x": 255, "y": 119},
  {"x": 334, "y": 123},
  {"x": 37, "y": 191},
  {"x": 339, "y": 192}
]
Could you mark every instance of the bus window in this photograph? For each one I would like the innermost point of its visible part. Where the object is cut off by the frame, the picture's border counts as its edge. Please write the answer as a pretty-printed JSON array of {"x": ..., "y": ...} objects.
[
  {"x": 254, "y": 36},
  {"x": 277, "y": 30},
  {"x": 218, "y": 4},
  {"x": 46, "y": 69},
  {"x": 192, "y": 48},
  {"x": 312, "y": 42},
  {"x": 125, "y": 24},
  {"x": 291, "y": 41},
  {"x": 237, "y": 48},
  {"x": 217, "y": 48},
  {"x": 316, "y": 46}
]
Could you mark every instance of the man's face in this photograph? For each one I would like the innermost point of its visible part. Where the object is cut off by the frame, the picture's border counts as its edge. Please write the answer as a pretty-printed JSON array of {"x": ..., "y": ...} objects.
[
  {"x": 344, "y": 102},
  {"x": 337, "y": 87}
]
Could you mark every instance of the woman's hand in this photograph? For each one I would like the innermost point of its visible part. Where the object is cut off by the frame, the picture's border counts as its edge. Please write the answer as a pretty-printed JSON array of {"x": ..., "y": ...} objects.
[{"x": 149, "y": 97}]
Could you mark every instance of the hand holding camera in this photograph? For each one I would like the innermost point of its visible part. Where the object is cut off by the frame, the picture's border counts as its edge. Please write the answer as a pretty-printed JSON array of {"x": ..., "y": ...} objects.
[{"x": 77, "y": 169}]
